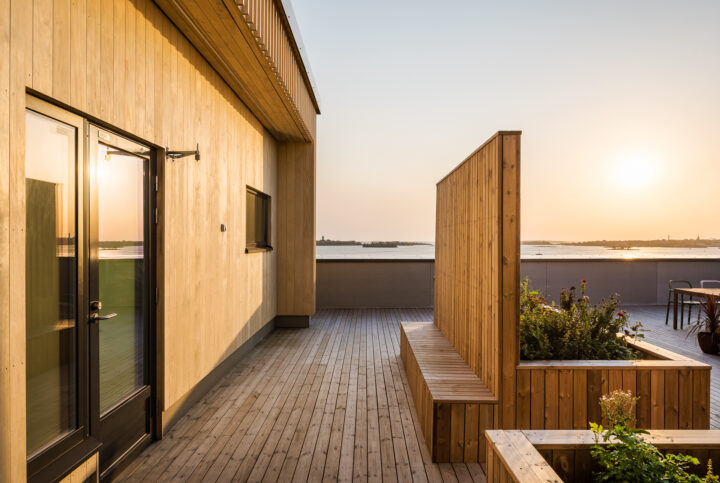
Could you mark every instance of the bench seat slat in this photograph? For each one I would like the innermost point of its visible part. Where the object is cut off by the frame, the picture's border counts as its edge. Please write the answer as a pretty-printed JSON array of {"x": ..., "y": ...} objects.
[{"x": 448, "y": 377}]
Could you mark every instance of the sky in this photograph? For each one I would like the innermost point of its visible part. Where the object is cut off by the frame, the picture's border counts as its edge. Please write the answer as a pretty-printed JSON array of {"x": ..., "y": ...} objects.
[{"x": 618, "y": 102}]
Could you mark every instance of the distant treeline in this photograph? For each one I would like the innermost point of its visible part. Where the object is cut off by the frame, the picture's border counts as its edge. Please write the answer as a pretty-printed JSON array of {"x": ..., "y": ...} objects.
[
  {"x": 337, "y": 242},
  {"x": 327, "y": 243},
  {"x": 663, "y": 243},
  {"x": 119, "y": 244}
]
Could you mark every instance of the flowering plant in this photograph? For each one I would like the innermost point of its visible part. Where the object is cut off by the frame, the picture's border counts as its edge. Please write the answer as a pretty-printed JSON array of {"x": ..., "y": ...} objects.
[
  {"x": 574, "y": 328},
  {"x": 626, "y": 456}
]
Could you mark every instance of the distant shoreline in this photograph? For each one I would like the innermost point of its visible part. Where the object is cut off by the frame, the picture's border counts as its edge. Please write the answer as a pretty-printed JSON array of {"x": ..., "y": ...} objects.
[
  {"x": 630, "y": 244},
  {"x": 610, "y": 244},
  {"x": 371, "y": 244}
]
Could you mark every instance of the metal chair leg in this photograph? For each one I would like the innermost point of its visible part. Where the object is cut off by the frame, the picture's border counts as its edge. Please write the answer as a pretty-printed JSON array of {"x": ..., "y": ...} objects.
[
  {"x": 682, "y": 311},
  {"x": 667, "y": 312}
]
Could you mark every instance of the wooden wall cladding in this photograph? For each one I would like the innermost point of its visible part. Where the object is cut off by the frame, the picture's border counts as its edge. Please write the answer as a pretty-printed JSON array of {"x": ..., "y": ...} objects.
[
  {"x": 125, "y": 64},
  {"x": 545, "y": 456},
  {"x": 87, "y": 472},
  {"x": 296, "y": 229},
  {"x": 477, "y": 264},
  {"x": 252, "y": 48}
]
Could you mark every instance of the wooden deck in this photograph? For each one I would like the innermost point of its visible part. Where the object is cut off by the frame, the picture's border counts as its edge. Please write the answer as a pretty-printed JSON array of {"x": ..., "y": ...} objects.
[
  {"x": 330, "y": 402},
  {"x": 326, "y": 403}
]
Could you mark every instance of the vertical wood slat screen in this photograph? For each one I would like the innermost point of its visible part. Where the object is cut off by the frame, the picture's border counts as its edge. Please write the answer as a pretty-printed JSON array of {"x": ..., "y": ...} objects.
[
  {"x": 267, "y": 26},
  {"x": 477, "y": 265}
]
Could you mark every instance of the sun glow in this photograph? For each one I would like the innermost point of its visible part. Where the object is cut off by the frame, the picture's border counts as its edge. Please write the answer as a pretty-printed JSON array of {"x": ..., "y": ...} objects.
[{"x": 635, "y": 171}]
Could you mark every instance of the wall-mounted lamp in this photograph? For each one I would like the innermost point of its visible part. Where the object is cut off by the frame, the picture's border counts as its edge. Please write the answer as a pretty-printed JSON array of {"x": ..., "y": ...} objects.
[{"x": 181, "y": 154}]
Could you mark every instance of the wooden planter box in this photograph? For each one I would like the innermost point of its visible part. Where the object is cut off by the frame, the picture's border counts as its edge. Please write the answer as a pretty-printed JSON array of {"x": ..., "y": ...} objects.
[
  {"x": 564, "y": 455},
  {"x": 674, "y": 390}
]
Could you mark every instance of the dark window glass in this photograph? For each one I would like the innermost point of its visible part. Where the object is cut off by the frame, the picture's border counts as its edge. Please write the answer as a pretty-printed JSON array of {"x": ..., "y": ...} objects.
[
  {"x": 258, "y": 219},
  {"x": 122, "y": 273},
  {"x": 50, "y": 280}
]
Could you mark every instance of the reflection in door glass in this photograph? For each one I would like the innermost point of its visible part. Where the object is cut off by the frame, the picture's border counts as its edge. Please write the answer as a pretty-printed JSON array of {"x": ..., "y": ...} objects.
[
  {"x": 50, "y": 280},
  {"x": 122, "y": 290}
]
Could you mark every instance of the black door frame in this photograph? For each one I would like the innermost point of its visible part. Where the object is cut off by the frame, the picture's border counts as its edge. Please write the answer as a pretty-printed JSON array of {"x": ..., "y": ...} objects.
[
  {"x": 79, "y": 444},
  {"x": 143, "y": 399},
  {"x": 58, "y": 460}
]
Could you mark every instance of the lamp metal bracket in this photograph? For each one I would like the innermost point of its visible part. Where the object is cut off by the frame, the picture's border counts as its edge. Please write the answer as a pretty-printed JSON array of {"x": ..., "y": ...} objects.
[{"x": 182, "y": 154}]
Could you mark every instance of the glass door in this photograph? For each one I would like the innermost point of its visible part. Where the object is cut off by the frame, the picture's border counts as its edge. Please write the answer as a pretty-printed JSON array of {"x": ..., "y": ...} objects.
[
  {"x": 119, "y": 295},
  {"x": 55, "y": 355}
]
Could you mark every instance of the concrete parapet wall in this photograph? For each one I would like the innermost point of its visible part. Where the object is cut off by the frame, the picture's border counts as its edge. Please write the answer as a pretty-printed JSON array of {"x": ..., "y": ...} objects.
[
  {"x": 409, "y": 283},
  {"x": 374, "y": 283},
  {"x": 639, "y": 282}
]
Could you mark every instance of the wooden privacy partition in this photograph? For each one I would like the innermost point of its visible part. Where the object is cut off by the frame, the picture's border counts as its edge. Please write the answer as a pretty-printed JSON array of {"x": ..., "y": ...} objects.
[
  {"x": 477, "y": 277},
  {"x": 477, "y": 285},
  {"x": 477, "y": 265}
]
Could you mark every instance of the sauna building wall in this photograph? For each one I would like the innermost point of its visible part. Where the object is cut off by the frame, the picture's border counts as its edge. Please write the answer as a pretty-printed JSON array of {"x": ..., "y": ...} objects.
[{"x": 170, "y": 74}]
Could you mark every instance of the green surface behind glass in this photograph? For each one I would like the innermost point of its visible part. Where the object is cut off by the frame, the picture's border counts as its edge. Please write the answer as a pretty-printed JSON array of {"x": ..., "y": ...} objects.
[{"x": 122, "y": 337}]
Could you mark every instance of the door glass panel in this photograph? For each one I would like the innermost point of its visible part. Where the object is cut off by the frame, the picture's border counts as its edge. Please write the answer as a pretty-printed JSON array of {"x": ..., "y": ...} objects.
[
  {"x": 50, "y": 280},
  {"x": 122, "y": 273}
]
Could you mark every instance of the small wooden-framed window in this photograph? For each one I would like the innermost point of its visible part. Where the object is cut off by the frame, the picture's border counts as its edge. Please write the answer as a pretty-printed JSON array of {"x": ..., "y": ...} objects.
[{"x": 257, "y": 233}]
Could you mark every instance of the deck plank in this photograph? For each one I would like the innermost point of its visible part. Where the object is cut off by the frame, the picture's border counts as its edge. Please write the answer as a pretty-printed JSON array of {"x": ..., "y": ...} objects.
[
  {"x": 329, "y": 402},
  {"x": 286, "y": 452},
  {"x": 165, "y": 452},
  {"x": 303, "y": 442}
]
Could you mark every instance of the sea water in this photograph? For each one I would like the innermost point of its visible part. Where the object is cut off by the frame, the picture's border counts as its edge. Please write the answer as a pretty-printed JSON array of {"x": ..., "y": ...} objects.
[{"x": 528, "y": 252}]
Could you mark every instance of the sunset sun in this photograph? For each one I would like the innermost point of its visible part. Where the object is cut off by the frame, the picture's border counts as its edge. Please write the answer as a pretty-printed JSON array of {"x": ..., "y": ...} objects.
[{"x": 635, "y": 171}]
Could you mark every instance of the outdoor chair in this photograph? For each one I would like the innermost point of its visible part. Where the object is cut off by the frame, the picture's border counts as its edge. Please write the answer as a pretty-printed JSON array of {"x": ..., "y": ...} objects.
[
  {"x": 690, "y": 303},
  {"x": 707, "y": 284}
]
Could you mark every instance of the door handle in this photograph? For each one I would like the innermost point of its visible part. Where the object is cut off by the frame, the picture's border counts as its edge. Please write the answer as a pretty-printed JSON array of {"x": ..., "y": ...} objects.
[
  {"x": 95, "y": 317},
  {"x": 95, "y": 307}
]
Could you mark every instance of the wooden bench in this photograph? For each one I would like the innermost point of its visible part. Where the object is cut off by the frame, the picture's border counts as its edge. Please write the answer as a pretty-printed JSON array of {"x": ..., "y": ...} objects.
[{"x": 453, "y": 405}]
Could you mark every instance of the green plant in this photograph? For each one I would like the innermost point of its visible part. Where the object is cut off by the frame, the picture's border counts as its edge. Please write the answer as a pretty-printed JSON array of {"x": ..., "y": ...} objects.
[
  {"x": 573, "y": 329},
  {"x": 710, "y": 321},
  {"x": 627, "y": 457}
]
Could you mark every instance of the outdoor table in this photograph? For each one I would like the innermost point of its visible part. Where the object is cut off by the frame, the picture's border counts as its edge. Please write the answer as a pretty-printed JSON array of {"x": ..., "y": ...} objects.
[{"x": 692, "y": 292}]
